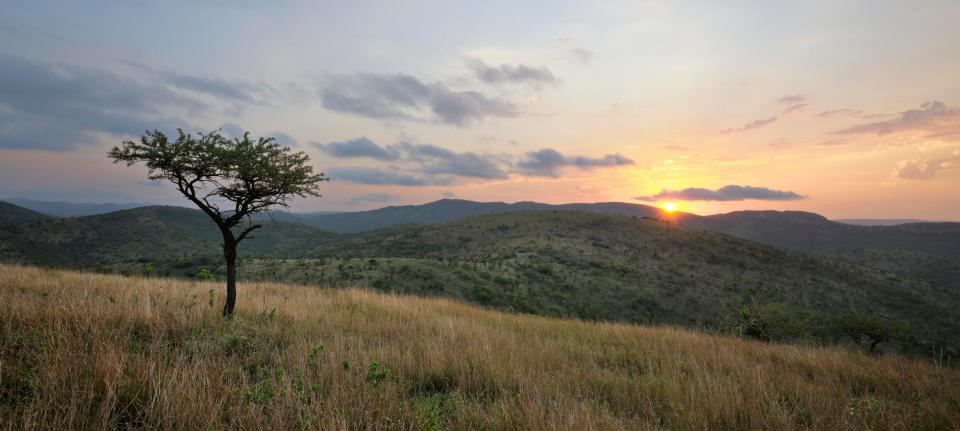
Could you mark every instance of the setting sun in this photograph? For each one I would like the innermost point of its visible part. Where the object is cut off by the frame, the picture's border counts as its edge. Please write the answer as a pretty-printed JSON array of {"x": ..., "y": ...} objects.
[{"x": 669, "y": 207}]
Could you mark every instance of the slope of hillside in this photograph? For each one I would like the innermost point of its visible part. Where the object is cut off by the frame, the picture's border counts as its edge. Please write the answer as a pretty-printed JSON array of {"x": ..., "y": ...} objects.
[
  {"x": 557, "y": 263},
  {"x": 84, "y": 351},
  {"x": 802, "y": 231},
  {"x": 72, "y": 209},
  {"x": 446, "y": 210},
  {"x": 606, "y": 267},
  {"x": 11, "y": 214},
  {"x": 880, "y": 221},
  {"x": 139, "y": 234}
]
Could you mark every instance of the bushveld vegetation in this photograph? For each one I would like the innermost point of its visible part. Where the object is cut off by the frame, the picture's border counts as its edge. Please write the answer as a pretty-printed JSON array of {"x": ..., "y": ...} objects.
[
  {"x": 84, "y": 351},
  {"x": 552, "y": 263}
]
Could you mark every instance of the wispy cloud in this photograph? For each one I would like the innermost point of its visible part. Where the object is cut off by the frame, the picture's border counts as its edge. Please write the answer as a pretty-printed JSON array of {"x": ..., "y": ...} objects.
[
  {"x": 582, "y": 55},
  {"x": 359, "y": 147},
  {"x": 932, "y": 119},
  {"x": 60, "y": 106},
  {"x": 224, "y": 89},
  {"x": 511, "y": 74},
  {"x": 838, "y": 112},
  {"x": 793, "y": 98},
  {"x": 424, "y": 159},
  {"x": 405, "y": 97},
  {"x": 725, "y": 193},
  {"x": 834, "y": 143},
  {"x": 422, "y": 164},
  {"x": 549, "y": 162},
  {"x": 751, "y": 125},
  {"x": 364, "y": 175},
  {"x": 794, "y": 108},
  {"x": 380, "y": 198}
]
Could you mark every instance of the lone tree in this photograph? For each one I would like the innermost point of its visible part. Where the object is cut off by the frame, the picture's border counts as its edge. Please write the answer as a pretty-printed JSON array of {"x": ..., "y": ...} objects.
[{"x": 229, "y": 179}]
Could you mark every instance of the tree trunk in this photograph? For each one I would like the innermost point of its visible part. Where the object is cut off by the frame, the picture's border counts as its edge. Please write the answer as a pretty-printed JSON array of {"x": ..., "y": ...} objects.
[{"x": 230, "y": 255}]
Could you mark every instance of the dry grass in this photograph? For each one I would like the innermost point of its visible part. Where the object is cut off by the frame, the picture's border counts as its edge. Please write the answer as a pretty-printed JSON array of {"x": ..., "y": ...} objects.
[{"x": 84, "y": 351}]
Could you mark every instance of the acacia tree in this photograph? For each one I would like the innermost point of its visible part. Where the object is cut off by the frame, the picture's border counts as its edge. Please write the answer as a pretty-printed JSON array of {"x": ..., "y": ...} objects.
[{"x": 228, "y": 179}]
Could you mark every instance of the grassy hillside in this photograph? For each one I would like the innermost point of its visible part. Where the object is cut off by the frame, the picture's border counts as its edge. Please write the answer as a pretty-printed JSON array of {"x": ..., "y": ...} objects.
[
  {"x": 555, "y": 263},
  {"x": 10, "y": 214},
  {"x": 604, "y": 267},
  {"x": 71, "y": 209},
  {"x": 83, "y": 351},
  {"x": 446, "y": 210},
  {"x": 802, "y": 231},
  {"x": 139, "y": 234}
]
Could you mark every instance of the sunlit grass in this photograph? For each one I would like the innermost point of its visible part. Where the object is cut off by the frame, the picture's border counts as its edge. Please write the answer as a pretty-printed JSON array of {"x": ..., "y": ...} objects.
[{"x": 96, "y": 351}]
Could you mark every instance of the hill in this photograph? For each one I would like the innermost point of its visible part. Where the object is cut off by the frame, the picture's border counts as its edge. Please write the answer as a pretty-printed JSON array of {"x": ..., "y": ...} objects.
[
  {"x": 598, "y": 266},
  {"x": 880, "y": 221},
  {"x": 792, "y": 230},
  {"x": 803, "y": 231},
  {"x": 83, "y": 351},
  {"x": 446, "y": 210},
  {"x": 936, "y": 245},
  {"x": 557, "y": 263},
  {"x": 72, "y": 209},
  {"x": 11, "y": 214},
  {"x": 139, "y": 234}
]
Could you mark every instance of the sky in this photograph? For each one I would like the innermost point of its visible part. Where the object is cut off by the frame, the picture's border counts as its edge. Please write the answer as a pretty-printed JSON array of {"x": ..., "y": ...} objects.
[{"x": 844, "y": 108}]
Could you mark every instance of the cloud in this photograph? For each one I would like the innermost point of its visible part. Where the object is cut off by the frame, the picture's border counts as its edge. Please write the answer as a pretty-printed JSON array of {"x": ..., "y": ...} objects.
[
  {"x": 231, "y": 130},
  {"x": 793, "y": 98},
  {"x": 359, "y": 147},
  {"x": 934, "y": 119},
  {"x": 427, "y": 164},
  {"x": 434, "y": 160},
  {"x": 423, "y": 158},
  {"x": 362, "y": 175},
  {"x": 509, "y": 74},
  {"x": 751, "y": 125},
  {"x": 237, "y": 91},
  {"x": 582, "y": 55},
  {"x": 549, "y": 162},
  {"x": 381, "y": 198},
  {"x": 925, "y": 169},
  {"x": 404, "y": 97},
  {"x": 834, "y": 143},
  {"x": 794, "y": 108},
  {"x": 48, "y": 106},
  {"x": 284, "y": 139},
  {"x": 725, "y": 193},
  {"x": 837, "y": 112}
]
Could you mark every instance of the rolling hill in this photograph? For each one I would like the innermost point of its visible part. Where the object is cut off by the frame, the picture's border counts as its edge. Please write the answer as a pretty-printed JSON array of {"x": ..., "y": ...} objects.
[
  {"x": 155, "y": 354},
  {"x": 11, "y": 214},
  {"x": 71, "y": 209},
  {"x": 446, "y": 210},
  {"x": 803, "y": 231},
  {"x": 560, "y": 263},
  {"x": 140, "y": 234},
  {"x": 791, "y": 230},
  {"x": 935, "y": 245}
]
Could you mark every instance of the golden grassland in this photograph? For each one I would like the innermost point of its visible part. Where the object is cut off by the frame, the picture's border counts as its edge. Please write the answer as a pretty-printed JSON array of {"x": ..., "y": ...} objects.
[{"x": 85, "y": 351}]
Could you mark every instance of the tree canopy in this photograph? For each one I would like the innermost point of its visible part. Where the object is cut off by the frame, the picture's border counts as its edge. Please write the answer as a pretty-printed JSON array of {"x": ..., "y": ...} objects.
[{"x": 228, "y": 179}]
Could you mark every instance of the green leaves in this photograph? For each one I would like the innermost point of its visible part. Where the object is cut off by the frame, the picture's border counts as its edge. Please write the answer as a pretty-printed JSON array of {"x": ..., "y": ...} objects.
[{"x": 229, "y": 179}]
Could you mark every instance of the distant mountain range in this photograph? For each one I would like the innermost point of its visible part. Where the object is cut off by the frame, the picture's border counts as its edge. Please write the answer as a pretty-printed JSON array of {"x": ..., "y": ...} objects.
[
  {"x": 71, "y": 209},
  {"x": 881, "y": 221},
  {"x": 10, "y": 213},
  {"x": 790, "y": 230}
]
